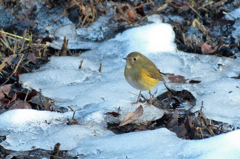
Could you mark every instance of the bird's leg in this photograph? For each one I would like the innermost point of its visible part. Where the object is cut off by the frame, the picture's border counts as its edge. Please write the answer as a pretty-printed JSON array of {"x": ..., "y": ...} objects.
[
  {"x": 137, "y": 99},
  {"x": 150, "y": 100},
  {"x": 171, "y": 91}
]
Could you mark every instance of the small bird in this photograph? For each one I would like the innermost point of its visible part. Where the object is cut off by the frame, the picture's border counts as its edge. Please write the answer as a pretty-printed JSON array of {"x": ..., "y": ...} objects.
[{"x": 141, "y": 73}]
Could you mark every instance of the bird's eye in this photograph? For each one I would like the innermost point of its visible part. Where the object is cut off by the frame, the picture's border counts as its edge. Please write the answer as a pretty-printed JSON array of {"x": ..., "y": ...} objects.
[{"x": 135, "y": 59}]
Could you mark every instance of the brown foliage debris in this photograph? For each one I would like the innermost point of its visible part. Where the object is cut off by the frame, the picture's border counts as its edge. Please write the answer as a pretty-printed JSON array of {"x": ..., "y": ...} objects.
[
  {"x": 132, "y": 116},
  {"x": 20, "y": 104}
]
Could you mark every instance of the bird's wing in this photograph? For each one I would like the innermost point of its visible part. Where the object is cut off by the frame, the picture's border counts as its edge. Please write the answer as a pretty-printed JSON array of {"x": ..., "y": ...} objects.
[{"x": 153, "y": 72}]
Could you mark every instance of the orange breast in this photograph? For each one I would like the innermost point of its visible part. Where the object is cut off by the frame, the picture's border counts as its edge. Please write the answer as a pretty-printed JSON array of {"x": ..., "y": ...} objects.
[{"x": 146, "y": 82}]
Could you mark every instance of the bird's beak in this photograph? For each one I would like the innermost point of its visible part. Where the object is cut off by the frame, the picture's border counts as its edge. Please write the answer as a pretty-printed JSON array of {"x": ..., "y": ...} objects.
[{"x": 125, "y": 58}]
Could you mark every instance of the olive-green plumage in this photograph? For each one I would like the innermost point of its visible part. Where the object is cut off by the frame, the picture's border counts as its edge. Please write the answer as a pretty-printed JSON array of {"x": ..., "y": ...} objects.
[{"x": 141, "y": 73}]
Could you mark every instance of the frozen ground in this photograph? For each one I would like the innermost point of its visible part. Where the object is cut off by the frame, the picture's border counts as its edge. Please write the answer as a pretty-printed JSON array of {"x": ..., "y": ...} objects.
[{"x": 95, "y": 93}]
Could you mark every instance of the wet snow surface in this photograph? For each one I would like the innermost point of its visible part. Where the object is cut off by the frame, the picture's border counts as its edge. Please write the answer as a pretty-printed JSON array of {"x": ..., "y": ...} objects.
[{"x": 94, "y": 93}]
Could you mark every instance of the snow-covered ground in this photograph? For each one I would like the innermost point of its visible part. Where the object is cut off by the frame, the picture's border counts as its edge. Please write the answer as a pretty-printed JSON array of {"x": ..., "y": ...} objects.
[{"x": 95, "y": 93}]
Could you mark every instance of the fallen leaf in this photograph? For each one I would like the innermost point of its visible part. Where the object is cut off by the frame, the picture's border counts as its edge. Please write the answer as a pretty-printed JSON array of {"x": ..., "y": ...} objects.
[
  {"x": 194, "y": 81},
  {"x": 32, "y": 93},
  {"x": 47, "y": 39},
  {"x": 180, "y": 130},
  {"x": 31, "y": 57},
  {"x": 173, "y": 126},
  {"x": 11, "y": 58},
  {"x": 5, "y": 89},
  {"x": 37, "y": 99},
  {"x": 176, "y": 78},
  {"x": 199, "y": 26},
  {"x": 173, "y": 120},
  {"x": 131, "y": 15},
  {"x": 207, "y": 49},
  {"x": 6, "y": 101},
  {"x": 46, "y": 103},
  {"x": 20, "y": 104},
  {"x": 114, "y": 114},
  {"x": 132, "y": 116},
  {"x": 140, "y": 10}
]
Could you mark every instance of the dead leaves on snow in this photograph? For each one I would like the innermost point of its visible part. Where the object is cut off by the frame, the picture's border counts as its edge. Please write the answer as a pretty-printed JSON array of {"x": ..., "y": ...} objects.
[
  {"x": 131, "y": 117},
  {"x": 179, "y": 79},
  {"x": 213, "y": 36},
  {"x": 20, "y": 104},
  {"x": 10, "y": 99},
  {"x": 195, "y": 125}
]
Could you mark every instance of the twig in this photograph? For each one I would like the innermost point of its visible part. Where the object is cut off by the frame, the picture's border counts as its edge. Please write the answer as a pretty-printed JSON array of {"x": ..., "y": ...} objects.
[
  {"x": 194, "y": 10},
  {"x": 179, "y": 41},
  {"x": 201, "y": 132},
  {"x": 100, "y": 67},
  {"x": 14, "y": 70},
  {"x": 205, "y": 5},
  {"x": 23, "y": 40},
  {"x": 144, "y": 5},
  {"x": 154, "y": 12},
  {"x": 184, "y": 40},
  {"x": 26, "y": 96},
  {"x": 20, "y": 37},
  {"x": 229, "y": 15},
  {"x": 133, "y": 93},
  {"x": 70, "y": 108},
  {"x": 80, "y": 65},
  {"x": 5, "y": 42}
]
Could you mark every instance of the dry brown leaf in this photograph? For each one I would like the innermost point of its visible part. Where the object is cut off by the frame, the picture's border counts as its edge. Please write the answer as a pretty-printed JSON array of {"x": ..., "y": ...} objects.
[
  {"x": 6, "y": 101},
  {"x": 199, "y": 26},
  {"x": 176, "y": 78},
  {"x": 173, "y": 126},
  {"x": 131, "y": 15},
  {"x": 207, "y": 49},
  {"x": 173, "y": 121},
  {"x": 180, "y": 130},
  {"x": 5, "y": 89},
  {"x": 46, "y": 103},
  {"x": 20, "y": 104},
  {"x": 11, "y": 58},
  {"x": 132, "y": 116},
  {"x": 32, "y": 93},
  {"x": 31, "y": 57},
  {"x": 37, "y": 99},
  {"x": 140, "y": 10},
  {"x": 114, "y": 114}
]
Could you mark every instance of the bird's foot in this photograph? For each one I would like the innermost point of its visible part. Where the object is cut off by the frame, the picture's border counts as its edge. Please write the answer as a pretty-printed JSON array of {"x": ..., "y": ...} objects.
[
  {"x": 148, "y": 104},
  {"x": 137, "y": 102}
]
